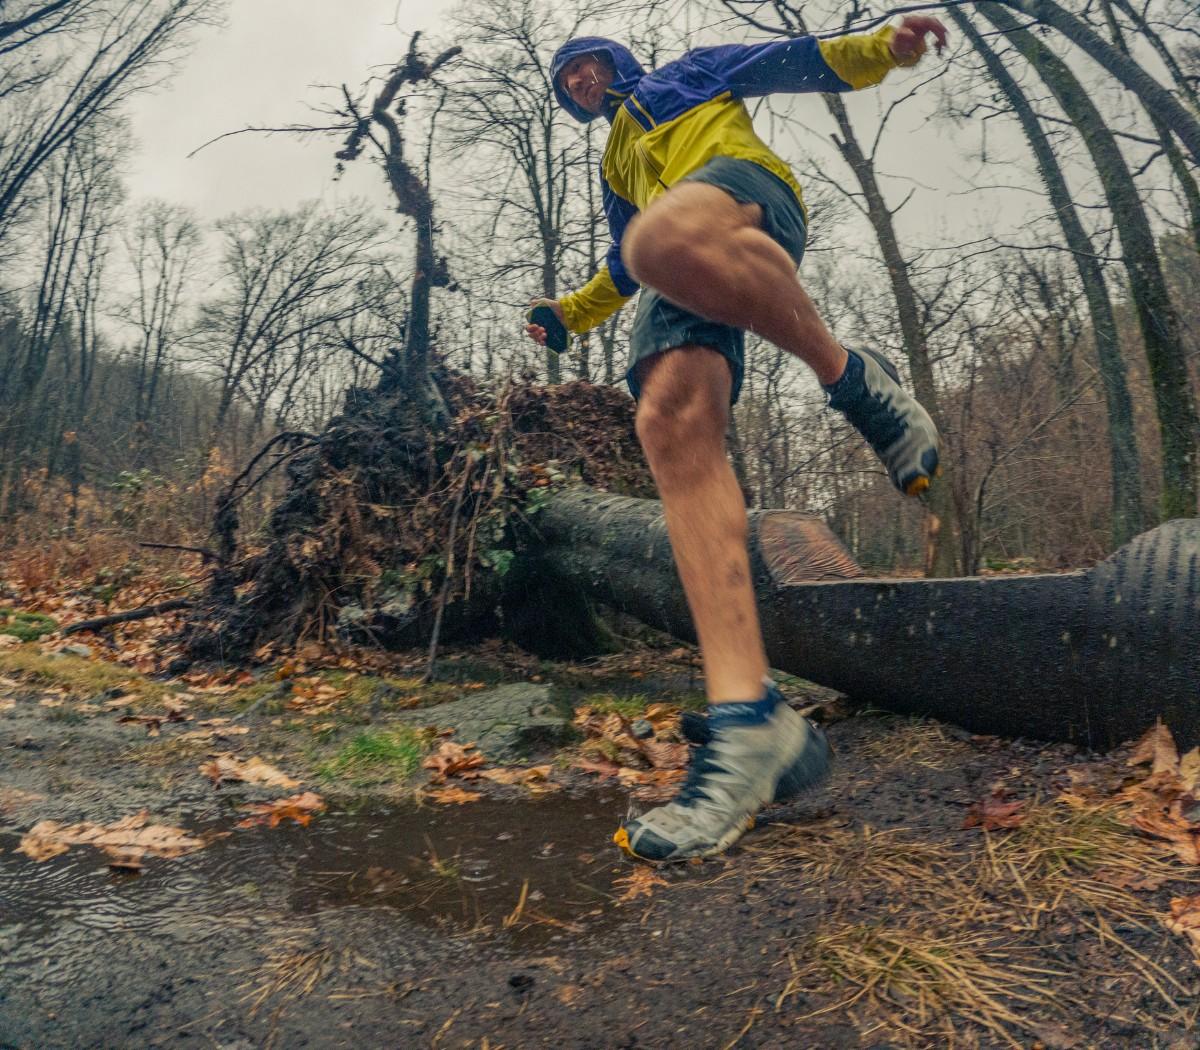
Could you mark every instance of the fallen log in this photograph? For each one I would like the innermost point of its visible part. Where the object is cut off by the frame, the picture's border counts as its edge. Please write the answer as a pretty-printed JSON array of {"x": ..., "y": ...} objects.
[{"x": 1092, "y": 657}]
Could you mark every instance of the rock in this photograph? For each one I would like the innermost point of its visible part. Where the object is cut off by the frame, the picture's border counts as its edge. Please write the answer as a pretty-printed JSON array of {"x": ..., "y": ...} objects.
[
  {"x": 78, "y": 649},
  {"x": 641, "y": 729},
  {"x": 506, "y": 723}
]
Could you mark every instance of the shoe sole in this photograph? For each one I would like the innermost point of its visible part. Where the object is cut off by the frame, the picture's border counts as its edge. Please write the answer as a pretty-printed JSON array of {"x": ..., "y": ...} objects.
[
  {"x": 621, "y": 838},
  {"x": 914, "y": 484}
]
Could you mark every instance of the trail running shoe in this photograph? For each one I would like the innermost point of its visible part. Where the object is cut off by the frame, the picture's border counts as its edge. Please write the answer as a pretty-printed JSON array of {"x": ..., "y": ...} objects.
[
  {"x": 803, "y": 773},
  {"x": 753, "y": 756},
  {"x": 895, "y": 425}
]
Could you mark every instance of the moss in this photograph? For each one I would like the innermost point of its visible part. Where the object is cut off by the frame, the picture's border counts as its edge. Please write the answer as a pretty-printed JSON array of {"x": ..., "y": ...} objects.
[
  {"x": 28, "y": 626},
  {"x": 381, "y": 755},
  {"x": 78, "y": 675},
  {"x": 627, "y": 706}
]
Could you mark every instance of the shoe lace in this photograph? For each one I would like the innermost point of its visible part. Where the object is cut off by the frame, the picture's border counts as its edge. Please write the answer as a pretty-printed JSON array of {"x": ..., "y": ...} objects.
[{"x": 702, "y": 763}]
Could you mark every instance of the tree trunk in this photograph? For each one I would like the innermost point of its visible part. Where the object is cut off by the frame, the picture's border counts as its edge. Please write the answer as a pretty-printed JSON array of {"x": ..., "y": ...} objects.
[
  {"x": 1122, "y": 441},
  {"x": 1154, "y": 96},
  {"x": 1179, "y": 165},
  {"x": 941, "y": 524},
  {"x": 1157, "y": 316},
  {"x": 1061, "y": 657}
]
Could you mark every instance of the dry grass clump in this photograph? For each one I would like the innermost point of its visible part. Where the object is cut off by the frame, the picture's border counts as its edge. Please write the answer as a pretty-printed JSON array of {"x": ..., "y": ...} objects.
[
  {"x": 913, "y": 742},
  {"x": 961, "y": 941},
  {"x": 923, "y": 980}
]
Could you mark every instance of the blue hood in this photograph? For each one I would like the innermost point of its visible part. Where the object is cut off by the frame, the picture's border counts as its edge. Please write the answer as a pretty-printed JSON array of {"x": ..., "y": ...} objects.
[{"x": 628, "y": 73}]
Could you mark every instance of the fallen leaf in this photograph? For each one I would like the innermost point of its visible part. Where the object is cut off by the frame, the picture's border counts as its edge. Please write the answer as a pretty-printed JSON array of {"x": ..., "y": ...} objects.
[
  {"x": 130, "y": 836},
  {"x": 1189, "y": 771},
  {"x": 452, "y": 794},
  {"x": 1156, "y": 748},
  {"x": 251, "y": 771},
  {"x": 662, "y": 755},
  {"x": 513, "y": 775},
  {"x": 450, "y": 759},
  {"x": 1171, "y": 827},
  {"x": 639, "y": 883},
  {"x": 9, "y": 641},
  {"x": 1185, "y": 920},
  {"x": 994, "y": 813},
  {"x": 299, "y": 808},
  {"x": 1125, "y": 879},
  {"x": 602, "y": 768},
  {"x": 121, "y": 701},
  {"x": 7, "y": 705}
]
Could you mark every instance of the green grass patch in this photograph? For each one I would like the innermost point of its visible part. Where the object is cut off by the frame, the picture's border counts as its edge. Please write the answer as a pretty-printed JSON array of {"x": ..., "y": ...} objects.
[
  {"x": 378, "y": 755},
  {"x": 630, "y": 707},
  {"x": 28, "y": 626}
]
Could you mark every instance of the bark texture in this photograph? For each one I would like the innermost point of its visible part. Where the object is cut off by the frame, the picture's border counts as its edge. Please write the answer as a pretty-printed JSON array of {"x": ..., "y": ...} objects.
[{"x": 1092, "y": 657}]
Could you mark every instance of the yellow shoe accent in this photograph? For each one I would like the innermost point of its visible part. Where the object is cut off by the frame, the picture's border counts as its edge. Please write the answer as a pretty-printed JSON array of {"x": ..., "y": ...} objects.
[
  {"x": 917, "y": 486},
  {"x": 621, "y": 838}
]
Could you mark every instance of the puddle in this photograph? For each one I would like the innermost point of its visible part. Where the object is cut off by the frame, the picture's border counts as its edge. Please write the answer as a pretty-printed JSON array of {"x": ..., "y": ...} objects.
[{"x": 532, "y": 871}]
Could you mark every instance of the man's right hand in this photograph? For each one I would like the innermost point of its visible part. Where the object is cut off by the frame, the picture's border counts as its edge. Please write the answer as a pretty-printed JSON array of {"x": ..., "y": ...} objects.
[{"x": 535, "y": 331}]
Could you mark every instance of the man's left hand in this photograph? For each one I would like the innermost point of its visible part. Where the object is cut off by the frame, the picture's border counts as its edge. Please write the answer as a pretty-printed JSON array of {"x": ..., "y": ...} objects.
[{"x": 908, "y": 42}]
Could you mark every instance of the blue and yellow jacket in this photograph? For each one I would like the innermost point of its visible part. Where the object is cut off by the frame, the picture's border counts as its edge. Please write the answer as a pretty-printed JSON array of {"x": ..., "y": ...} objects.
[{"x": 668, "y": 123}]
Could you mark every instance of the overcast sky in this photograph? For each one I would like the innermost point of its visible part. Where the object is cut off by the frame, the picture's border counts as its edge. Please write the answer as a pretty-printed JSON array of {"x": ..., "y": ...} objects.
[{"x": 266, "y": 65}]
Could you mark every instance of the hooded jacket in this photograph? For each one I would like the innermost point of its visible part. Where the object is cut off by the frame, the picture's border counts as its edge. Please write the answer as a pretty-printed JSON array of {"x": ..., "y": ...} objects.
[{"x": 668, "y": 123}]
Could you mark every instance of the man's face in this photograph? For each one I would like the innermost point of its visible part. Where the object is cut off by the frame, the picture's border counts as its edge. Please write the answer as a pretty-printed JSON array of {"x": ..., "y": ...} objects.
[{"x": 585, "y": 79}]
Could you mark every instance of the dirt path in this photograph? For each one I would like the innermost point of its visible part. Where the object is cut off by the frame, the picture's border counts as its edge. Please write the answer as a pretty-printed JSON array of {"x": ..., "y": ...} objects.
[{"x": 864, "y": 917}]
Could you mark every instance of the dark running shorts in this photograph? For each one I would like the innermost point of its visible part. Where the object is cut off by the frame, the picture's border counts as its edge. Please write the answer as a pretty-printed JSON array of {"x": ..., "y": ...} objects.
[{"x": 660, "y": 325}]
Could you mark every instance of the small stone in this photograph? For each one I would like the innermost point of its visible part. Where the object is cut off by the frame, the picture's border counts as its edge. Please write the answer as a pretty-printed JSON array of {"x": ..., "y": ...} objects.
[
  {"x": 642, "y": 730},
  {"x": 78, "y": 649}
]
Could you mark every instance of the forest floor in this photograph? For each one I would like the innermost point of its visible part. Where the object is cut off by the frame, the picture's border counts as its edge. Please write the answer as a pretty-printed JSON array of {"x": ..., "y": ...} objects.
[{"x": 300, "y": 854}]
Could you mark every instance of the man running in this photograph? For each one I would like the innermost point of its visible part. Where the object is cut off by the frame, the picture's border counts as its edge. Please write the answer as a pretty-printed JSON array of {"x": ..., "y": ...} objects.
[{"x": 710, "y": 224}]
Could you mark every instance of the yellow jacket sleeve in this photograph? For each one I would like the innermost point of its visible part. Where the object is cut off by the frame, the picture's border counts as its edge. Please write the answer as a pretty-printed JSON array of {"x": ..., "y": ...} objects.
[
  {"x": 864, "y": 60},
  {"x": 593, "y": 304}
]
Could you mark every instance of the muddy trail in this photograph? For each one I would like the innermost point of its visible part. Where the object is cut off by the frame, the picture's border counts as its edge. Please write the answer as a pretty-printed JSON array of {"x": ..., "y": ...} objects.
[{"x": 944, "y": 890}]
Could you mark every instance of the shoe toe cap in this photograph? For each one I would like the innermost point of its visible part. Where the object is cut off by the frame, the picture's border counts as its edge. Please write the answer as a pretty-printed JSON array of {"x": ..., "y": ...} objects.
[{"x": 643, "y": 842}]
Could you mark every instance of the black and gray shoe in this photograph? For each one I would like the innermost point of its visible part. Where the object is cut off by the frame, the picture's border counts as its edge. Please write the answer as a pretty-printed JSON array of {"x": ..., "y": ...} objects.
[
  {"x": 895, "y": 425},
  {"x": 737, "y": 771}
]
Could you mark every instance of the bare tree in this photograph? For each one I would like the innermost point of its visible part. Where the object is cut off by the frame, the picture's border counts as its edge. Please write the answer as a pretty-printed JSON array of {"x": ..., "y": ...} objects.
[
  {"x": 286, "y": 273},
  {"x": 1157, "y": 315},
  {"x": 1127, "y": 518},
  {"x": 77, "y": 63},
  {"x": 163, "y": 252}
]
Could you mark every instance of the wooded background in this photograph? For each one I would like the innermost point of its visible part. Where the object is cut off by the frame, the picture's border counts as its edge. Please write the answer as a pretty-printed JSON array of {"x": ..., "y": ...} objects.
[{"x": 146, "y": 353}]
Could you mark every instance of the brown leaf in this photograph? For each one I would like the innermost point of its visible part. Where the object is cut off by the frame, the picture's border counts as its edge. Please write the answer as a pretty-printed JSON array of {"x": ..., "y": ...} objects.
[
  {"x": 662, "y": 755},
  {"x": 451, "y": 759},
  {"x": 251, "y": 771},
  {"x": 1156, "y": 748},
  {"x": 453, "y": 794},
  {"x": 1185, "y": 919},
  {"x": 513, "y": 775},
  {"x": 994, "y": 813},
  {"x": 1189, "y": 771},
  {"x": 130, "y": 835},
  {"x": 299, "y": 808},
  {"x": 602, "y": 767},
  {"x": 639, "y": 883},
  {"x": 1172, "y": 828}
]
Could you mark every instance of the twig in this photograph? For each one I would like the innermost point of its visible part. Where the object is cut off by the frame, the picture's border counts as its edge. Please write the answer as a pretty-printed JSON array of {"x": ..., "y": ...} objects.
[
  {"x": 205, "y": 554},
  {"x": 445, "y": 592},
  {"x": 144, "y": 613}
]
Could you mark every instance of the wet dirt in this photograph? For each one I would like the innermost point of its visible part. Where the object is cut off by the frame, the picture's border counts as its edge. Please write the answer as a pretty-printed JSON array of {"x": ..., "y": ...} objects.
[{"x": 513, "y": 922}]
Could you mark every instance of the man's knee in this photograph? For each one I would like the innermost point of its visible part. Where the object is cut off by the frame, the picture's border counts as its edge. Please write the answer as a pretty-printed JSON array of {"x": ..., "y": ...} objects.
[{"x": 684, "y": 405}]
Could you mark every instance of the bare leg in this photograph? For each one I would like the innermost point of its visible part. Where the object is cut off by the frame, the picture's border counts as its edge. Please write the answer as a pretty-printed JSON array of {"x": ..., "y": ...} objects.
[
  {"x": 706, "y": 252},
  {"x": 681, "y": 422}
]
